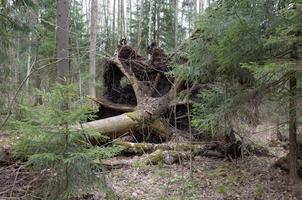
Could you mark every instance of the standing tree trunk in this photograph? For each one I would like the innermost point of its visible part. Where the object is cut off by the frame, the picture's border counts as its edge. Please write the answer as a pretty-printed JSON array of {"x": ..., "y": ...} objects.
[
  {"x": 129, "y": 18},
  {"x": 150, "y": 22},
  {"x": 175, "y": 23},
  {"x": 113, "y": 23},
  {"x": 123, "y": 35},
  {"x": 62, "y": 39},
  {"x": 201, "y": 6},
  {"x": 28, "y": 61},
  {"x": 292, "y": 123},
  {"x": 140, "y": 24},
  {"x": 119, "y": 16},
  {"x": 17, "y": 64},
  {"x": 195, "y": 6},
  {"x": 92, "y": 48},
  {"x": 293, "y": 167}
]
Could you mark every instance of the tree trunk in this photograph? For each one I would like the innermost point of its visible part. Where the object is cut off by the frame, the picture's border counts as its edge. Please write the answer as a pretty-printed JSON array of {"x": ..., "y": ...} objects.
[
  {"x": 150, "y": 22},
  {"x": 123, "y": 34},
  {"x": 175, "y": 24},
  {"x": 195, "y": 6},
  {"x": 113, "y": 23},
  {"x": 129, "y": 21},
  {"x": 119, "y": 24},
  {"x": 293, "y": 130},
  {"x": 201, "y": 6},
  {"x": 17, "y": 63},
  {"x": 92, "y": 48},
  {"x": 62, "y": 39},
  {"x": 28, "y": 61},
  {"x": 140, "y": 24}
]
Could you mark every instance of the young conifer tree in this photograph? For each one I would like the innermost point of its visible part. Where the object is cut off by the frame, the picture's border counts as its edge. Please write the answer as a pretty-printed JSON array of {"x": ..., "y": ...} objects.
[{"x": 64, "y": 155}]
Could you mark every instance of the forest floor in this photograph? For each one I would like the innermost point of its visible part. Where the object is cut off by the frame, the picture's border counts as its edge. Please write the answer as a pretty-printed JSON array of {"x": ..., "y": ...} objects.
[{"x": 246, "y": 178}]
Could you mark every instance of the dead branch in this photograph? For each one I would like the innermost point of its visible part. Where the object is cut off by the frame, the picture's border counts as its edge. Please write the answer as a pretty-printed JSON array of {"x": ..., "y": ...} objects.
[{"x": 115, "y": 106}]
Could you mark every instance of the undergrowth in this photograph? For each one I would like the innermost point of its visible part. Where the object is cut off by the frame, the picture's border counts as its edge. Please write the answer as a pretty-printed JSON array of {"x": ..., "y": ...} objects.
[{"x": 51, "y": 144}]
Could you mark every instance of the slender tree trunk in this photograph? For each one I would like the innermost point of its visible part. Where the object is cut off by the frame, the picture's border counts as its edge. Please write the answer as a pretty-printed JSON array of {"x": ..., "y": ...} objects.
[
  {"x": 119, "y": 24},
  {"x": 123, "y": 34},
  {"x": 129, "y": 18},
  {"x": 28, "y": 61},
  {"x": 17, "y": 65},
  {"x": 155, "y": 7},
  {"x": 195, "y": 6},
  {"x": 113, "y": 23},
  {"x": 140, "y": 24},
  {"x": 201, "y": 6},
  {"x": 92, "y": 48},
  {"x": 292, "y": 124},
  {"x": 175, "y": 23},
  {"x": 293, "y": 167},
  {"x": 150, "y": 30},
  {"x": 62, "y": 39},
  {"x": 158, "y": 11},
  {"x": 106, "y": 16}
]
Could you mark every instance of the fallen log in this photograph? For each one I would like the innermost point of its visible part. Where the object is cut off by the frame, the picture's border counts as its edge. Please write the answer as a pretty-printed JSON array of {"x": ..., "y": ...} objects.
[
  {"x": 115, "y": 106},
  {"x": 113, "y": 127},
  {"x": 166, "y": 157},
  {"x": 144, "y": 148}
]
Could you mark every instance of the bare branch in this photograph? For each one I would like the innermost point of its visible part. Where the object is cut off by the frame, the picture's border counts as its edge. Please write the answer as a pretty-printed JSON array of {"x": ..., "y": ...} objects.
[{"x": 115, "y": 106}]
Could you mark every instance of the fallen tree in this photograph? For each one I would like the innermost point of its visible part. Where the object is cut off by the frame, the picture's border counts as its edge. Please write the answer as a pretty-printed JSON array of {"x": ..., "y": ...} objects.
[{"x": 139, "y": 96}]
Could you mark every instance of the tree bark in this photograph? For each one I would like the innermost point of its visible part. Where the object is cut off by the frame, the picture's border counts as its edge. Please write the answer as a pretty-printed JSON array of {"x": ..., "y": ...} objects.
[
  {"x": 123, "y": 34},
  {"x": 113, "y": 23},
  {"x": 140, "y": 24},
  {"x": 175, "y": 24},
  {"x": 150, "y": 21},
  {"x": 28, "y": 60},
  {"x": 92, "y": 48},
  {"x": 292, "y": 122},
  {"x": 201, "y": 6},
  {"x": 129, "y": 20},
  {"x": 293, "y": 130},
  {"x": 62, "y": 39}
]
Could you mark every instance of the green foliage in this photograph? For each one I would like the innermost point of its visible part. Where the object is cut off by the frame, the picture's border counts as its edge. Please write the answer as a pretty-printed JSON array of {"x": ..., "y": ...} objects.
[
  {"x": 241, "y": 51},
  {"x": 221, "y": 189},
  {"x": 260, "y": 190},
  {"x": 49, "y": 142}
]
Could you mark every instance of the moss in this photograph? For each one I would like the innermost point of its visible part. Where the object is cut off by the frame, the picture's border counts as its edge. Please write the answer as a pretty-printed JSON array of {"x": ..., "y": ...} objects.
[
  {"x": 156, "y": 157},
  {"x": 135, "y": 116}
]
